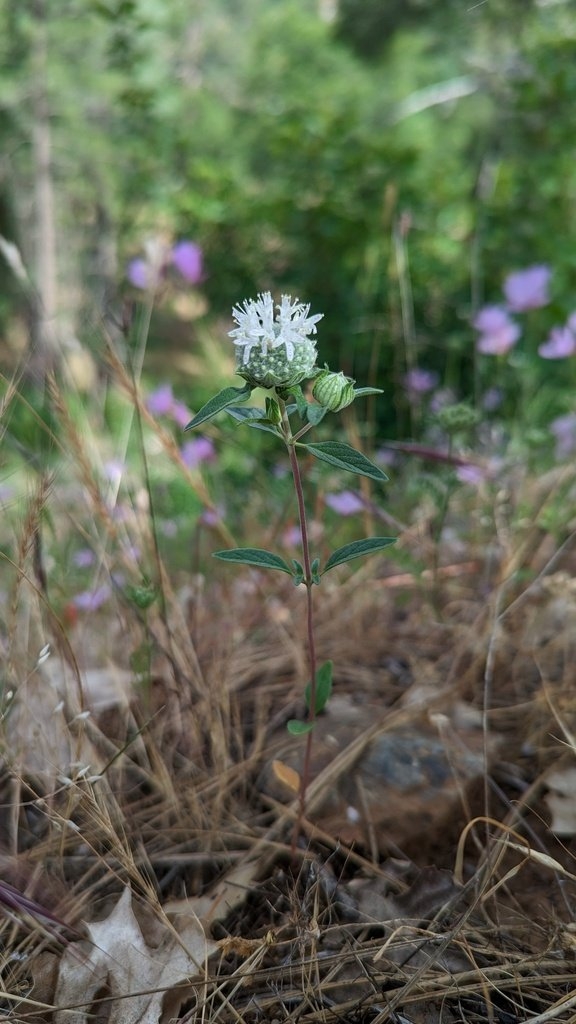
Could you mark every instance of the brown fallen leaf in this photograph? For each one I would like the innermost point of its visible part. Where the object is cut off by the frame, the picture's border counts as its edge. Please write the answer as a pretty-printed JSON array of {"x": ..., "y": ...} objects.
[{"x": 117, "y": 963}]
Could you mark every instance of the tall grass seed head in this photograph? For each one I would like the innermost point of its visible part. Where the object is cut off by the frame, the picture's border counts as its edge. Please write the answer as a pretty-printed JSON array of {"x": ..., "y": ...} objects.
[
  {"x": 334, "y": 391},
  {"x": 274, "y": 343}
]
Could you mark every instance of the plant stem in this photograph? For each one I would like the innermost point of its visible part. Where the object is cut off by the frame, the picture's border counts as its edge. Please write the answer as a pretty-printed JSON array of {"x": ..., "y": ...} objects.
[{"x": 297, "y": 478}]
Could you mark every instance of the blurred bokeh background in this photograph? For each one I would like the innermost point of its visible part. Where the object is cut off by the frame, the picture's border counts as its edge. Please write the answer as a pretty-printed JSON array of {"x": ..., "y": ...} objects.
[{"x": 388, "y": 162}]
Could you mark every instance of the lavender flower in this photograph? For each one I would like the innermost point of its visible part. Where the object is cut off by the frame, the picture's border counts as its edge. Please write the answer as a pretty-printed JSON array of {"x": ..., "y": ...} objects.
[
  {"x": 561, "y": 344},
  {"x": 418, "y": 381},
  {"x": 498, "y": 332},
  {"x": 161, "y": 402},
  {"x": 140, "y": 274},
  {"x": 346, "y": 503},
  {"x": 146, "y": 272},
  {"x": 83, "y": 558},
  {"x": 92, "y": 600},
  {"x": 492, "y": 399},
  {"x": 528, "y": 289},
  {"x": 564, "y": 430},
  {"x": 187, "y": 258},
  {"x": 197, "y": 451},
  {"x": 471, "y": 474}
]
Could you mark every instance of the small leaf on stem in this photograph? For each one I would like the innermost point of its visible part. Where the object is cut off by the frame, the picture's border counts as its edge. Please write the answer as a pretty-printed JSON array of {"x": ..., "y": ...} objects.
[
  {"x": 219, "y": 402},
  {"x": 298, "y": 572},
  {"x": 253, "y": 417},
  {"x": 336, "y": 453},
  {"x": 323, "y": 688},
  {"x": 254, "y": 556},
  {"x": 315, "y": 413},
  {"x": 367, "y": 391},
  {"x": 297, "y": 728},
  {"x": 356, "y": 549}
]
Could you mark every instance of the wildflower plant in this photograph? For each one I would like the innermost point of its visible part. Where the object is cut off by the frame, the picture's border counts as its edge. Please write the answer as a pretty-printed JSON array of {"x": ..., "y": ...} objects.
[{"x": 276, "y": 350}]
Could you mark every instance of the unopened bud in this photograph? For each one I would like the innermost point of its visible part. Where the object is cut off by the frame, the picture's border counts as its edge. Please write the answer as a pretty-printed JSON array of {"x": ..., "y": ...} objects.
[{"x": 334, "y": 391}]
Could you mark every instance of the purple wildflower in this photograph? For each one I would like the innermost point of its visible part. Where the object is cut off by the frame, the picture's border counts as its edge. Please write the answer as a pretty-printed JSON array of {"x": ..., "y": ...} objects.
[
  {"x": 564, "y": 430},
  {"x": 561, "y": 344},
  {"x": 140, "y": 274},
  {"x": 187, "y": 258},
  {"x": 180, "y": 413},
  {"x": 492, "y": 399},
  {"x": 528, "y": 289},
  {"x": 418, "y": 381},
  {"x": 498, "y": 332},
  {"x": 199, "y": 450},
  {"x": 160, "y": 401},
  {"x": 441, "y": 398},
  {"x": 146, "y": 271},
  {"x": 92, "y": 600},
  {"x": 83, "y": 558},
  {"x": 113, "y": 470},
  {"x": 212, "y": 516},
  {"x": 471, "y": 474},
  {"x": 346, "y": 503}
]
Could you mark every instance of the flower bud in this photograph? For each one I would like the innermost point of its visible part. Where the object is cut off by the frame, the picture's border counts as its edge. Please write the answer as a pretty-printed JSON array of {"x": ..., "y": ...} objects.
[
  {"x": 334, "y": 391},
  {"x": 456, "y": 418}
]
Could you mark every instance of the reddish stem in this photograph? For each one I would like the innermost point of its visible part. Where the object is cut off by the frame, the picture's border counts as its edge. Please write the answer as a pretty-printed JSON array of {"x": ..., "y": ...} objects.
[{"x": 296, "y": 476}]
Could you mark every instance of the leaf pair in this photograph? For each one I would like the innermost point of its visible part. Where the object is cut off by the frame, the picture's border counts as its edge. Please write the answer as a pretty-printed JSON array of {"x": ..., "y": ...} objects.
[{"x": 263, "y": 559}]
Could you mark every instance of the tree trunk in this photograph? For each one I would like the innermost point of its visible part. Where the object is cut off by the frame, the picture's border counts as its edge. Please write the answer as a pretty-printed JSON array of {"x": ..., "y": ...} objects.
[{"x": 44, "y": 341}]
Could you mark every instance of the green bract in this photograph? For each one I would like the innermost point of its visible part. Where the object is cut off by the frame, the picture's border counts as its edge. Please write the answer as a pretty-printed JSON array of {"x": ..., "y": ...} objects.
[{"x": 274, "y": 369}]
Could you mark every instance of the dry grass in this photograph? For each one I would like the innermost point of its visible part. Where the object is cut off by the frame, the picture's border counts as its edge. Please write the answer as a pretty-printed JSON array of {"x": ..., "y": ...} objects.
[{"x": 443, "y": 899}]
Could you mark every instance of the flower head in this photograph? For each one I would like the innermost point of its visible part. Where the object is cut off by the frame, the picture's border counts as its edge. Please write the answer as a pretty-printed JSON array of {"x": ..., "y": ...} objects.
[
  {"x": 528, "y": 289},
  {"x": 274, "y": 350}
]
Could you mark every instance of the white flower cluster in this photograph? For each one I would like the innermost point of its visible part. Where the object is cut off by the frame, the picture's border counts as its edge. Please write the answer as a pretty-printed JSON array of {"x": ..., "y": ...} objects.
[{"x": 284, "y": 351}]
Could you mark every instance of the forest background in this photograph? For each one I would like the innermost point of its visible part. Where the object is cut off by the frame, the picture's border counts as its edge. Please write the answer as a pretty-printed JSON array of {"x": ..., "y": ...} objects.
[{"x": 388, "y": 163}]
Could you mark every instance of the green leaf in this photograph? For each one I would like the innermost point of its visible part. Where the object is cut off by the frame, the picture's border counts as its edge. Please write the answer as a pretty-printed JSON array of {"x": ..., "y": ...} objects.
[
  {"x": 273, "y": 411},
  {"x": 298, "y": 572},
  {"x": 297, "y": 728},
  {"x": 367, "y": 391},
  {"x": 315, "y": 571},
  {"x": 254, "y": 556},
  {"x": 357, "y": 548},
  {"x": 323, "y": 687},
  {"x": 345, "y": 457},
  {"x": 315, "y": 413},
  {"x": 219, "y": 402},
  {"x": 253, "y": 417},
  {"x": 297, "y": 394}
]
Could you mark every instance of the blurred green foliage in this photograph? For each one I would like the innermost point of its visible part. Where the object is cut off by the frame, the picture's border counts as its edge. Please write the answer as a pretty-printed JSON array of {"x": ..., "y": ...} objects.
[{"x": 389, "y": 164}]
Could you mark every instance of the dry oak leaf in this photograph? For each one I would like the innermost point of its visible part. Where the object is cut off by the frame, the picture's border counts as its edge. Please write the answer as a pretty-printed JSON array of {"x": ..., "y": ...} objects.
[{"x": 137, "y": 982}]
